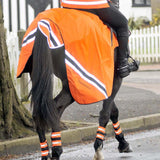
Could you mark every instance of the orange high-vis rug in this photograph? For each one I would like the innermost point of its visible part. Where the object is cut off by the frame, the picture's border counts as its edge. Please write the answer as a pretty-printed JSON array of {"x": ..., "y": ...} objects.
[{"x": 89, "y": 50}]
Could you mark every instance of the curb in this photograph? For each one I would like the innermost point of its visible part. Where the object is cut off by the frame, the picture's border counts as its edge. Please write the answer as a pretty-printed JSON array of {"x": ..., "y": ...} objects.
[
  {"x": 30, "y": 144},
  {"x": 149, "y": 67}
]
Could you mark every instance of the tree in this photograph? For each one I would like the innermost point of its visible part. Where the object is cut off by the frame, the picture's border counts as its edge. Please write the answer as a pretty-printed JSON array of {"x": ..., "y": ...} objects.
[{"x": 15, "y": 119}]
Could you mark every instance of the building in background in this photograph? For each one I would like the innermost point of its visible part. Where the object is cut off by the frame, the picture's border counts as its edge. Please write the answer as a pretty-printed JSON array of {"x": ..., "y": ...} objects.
[
  {"x": 136, "y": 8},
  {"x": 18, "y": 14}
]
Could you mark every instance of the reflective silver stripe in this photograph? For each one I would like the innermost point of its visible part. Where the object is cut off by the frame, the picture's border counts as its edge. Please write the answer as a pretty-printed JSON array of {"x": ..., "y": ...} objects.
[
  {"x": 55, "y": 143},
  {"x": 44, "y": 153},
  {"x": 29, "y": 38},
  {"x": 119, "y": 131},
  {"x": 116, "y": 125},
  {"x": 103, "y": 91},
  {"x": 28, "y": 41},
  {"x": 84, "y": 3},
  {"x": 100, "y": 136},
  {"x": 101, "y": 129},
  {"x": 52, "y": 46},
  {"x": 56, "y": 135},
  {"x": 43, "y": 145}
]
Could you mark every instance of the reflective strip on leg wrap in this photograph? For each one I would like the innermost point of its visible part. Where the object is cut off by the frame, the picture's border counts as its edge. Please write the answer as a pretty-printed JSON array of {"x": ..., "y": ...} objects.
[
  {"x": 100, "y": 133},
  {"x": 56, "y": 139},
  {"x": 44, "y": 153},
  {"x": 56, "y": 135},
  {"x": 117, "y": 128},
  {"x": 44, "y": 149},
  {"x": 116, "y": 125}
]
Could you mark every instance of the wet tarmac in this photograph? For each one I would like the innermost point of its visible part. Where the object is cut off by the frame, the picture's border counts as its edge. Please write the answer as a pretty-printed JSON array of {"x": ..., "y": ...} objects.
[{"x": 145, "y": 146}]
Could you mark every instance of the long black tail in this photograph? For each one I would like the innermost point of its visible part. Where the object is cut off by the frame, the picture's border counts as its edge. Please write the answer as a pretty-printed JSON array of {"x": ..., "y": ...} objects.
[{"x": 44, "y": 111}]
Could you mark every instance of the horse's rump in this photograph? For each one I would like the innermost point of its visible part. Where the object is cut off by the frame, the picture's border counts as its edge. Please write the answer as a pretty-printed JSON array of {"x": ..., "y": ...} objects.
[{"x": 89, "y": 51}]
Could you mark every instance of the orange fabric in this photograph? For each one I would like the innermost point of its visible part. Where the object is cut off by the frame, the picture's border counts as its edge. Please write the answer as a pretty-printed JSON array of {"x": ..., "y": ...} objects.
[
  {"x": 26, "y": 50},
  {"x": 56, "y": 135},
  {"x": 101, "y": 129},
  {"x": 44, "y": 153},
  {"x": 116, "y": 125},
  {"x": 85, "y": 4},
  {"x": 56, "y": 143},
  {"x": 118, "y": 132},
  {"x": 100, "y": 136},
  {"x": 88, "y": 44},
  {"x": 44, "y": 144}
]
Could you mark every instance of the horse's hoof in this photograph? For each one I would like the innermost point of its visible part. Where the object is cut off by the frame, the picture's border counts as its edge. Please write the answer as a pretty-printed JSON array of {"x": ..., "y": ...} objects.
[
  {"x": 98, "y": 154},
  {"x": 124, "y": 148},
  {"x": 54, "y": 158},
  {"x": 45, "y": 158}
]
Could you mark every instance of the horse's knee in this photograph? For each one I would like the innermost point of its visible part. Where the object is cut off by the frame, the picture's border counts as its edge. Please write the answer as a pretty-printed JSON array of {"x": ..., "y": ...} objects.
[
  {"x": 114, "y": 115},
  {"x": 56, "y": 152},
  {"x": 104, "y": 118}
]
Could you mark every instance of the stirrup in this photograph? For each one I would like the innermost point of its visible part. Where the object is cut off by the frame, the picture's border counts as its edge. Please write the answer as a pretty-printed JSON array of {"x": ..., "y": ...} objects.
[
  {"x": 123, "y": 68},
  {"x": 133, "y": 64}
]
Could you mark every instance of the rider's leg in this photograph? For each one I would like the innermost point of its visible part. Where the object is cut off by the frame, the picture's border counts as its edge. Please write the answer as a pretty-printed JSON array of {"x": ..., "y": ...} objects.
[
  {"x": 123, "y": 144},
  {"x": 119, "y": 23}
]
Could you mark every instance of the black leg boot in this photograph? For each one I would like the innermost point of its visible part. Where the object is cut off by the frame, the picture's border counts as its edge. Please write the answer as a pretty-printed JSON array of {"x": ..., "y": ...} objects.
[
  {"x": 123, "y": 68},
  {"x": 122, "y": 55},
  {"x": 125, "y": 63}
]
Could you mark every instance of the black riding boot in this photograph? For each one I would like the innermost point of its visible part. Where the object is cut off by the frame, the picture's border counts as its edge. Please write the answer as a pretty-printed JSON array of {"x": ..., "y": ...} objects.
[{"x": 125, "y": 63}]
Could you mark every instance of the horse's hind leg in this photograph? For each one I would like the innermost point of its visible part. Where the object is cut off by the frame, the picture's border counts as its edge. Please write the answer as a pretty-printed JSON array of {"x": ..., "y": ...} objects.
[
  {"x": 105, "y": 113},
  {"x": 63, "y": 100},
  {"x": 103, "y": 120},
  {"x": 123, "y": 144},
  {"x": 43, "y": 143}
]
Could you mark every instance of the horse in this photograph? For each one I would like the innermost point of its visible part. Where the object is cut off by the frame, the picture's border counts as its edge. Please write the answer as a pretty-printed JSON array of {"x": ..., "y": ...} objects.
[{"x": 42, "y": 64}]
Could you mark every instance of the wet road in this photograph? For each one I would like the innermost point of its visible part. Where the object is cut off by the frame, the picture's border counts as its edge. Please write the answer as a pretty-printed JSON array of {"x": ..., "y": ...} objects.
[{"x": 145, "y": 146}]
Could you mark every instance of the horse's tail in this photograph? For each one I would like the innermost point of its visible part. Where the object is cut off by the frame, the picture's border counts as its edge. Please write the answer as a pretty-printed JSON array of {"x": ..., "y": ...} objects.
[{"x": 44, "y": 111}]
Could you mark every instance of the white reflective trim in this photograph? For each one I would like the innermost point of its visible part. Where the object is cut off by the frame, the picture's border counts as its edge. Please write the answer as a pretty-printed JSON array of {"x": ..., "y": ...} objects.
[
  {"x": 84, "y": 3},
  {"x": 43, "y": 145},
  {"x": 44, "y": 153},
  {"x": 101, "y": 129},
  {"x": 52, "y": 33},
  {"x": 119, "y": 131},
  {"x": 100, "y": 136},
  {"x": 86, "y": 72},
  {"x": 116, "y": 125},
  {"x": 56, "y": 135},
  {"x": 32, "y": 32},
  {"x": 56, "y": 142},
  {"x": 29, "y": 41}
]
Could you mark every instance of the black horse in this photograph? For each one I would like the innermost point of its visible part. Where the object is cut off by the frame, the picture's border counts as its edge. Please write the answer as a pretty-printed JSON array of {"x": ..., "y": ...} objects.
[{"x": 47, "y": 111}]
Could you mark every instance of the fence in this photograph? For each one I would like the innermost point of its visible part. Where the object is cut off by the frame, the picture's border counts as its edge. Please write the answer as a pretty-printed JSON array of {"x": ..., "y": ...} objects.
[
  {"x": 145, "y": 44},
  {"x": 18, "y": 14}
]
